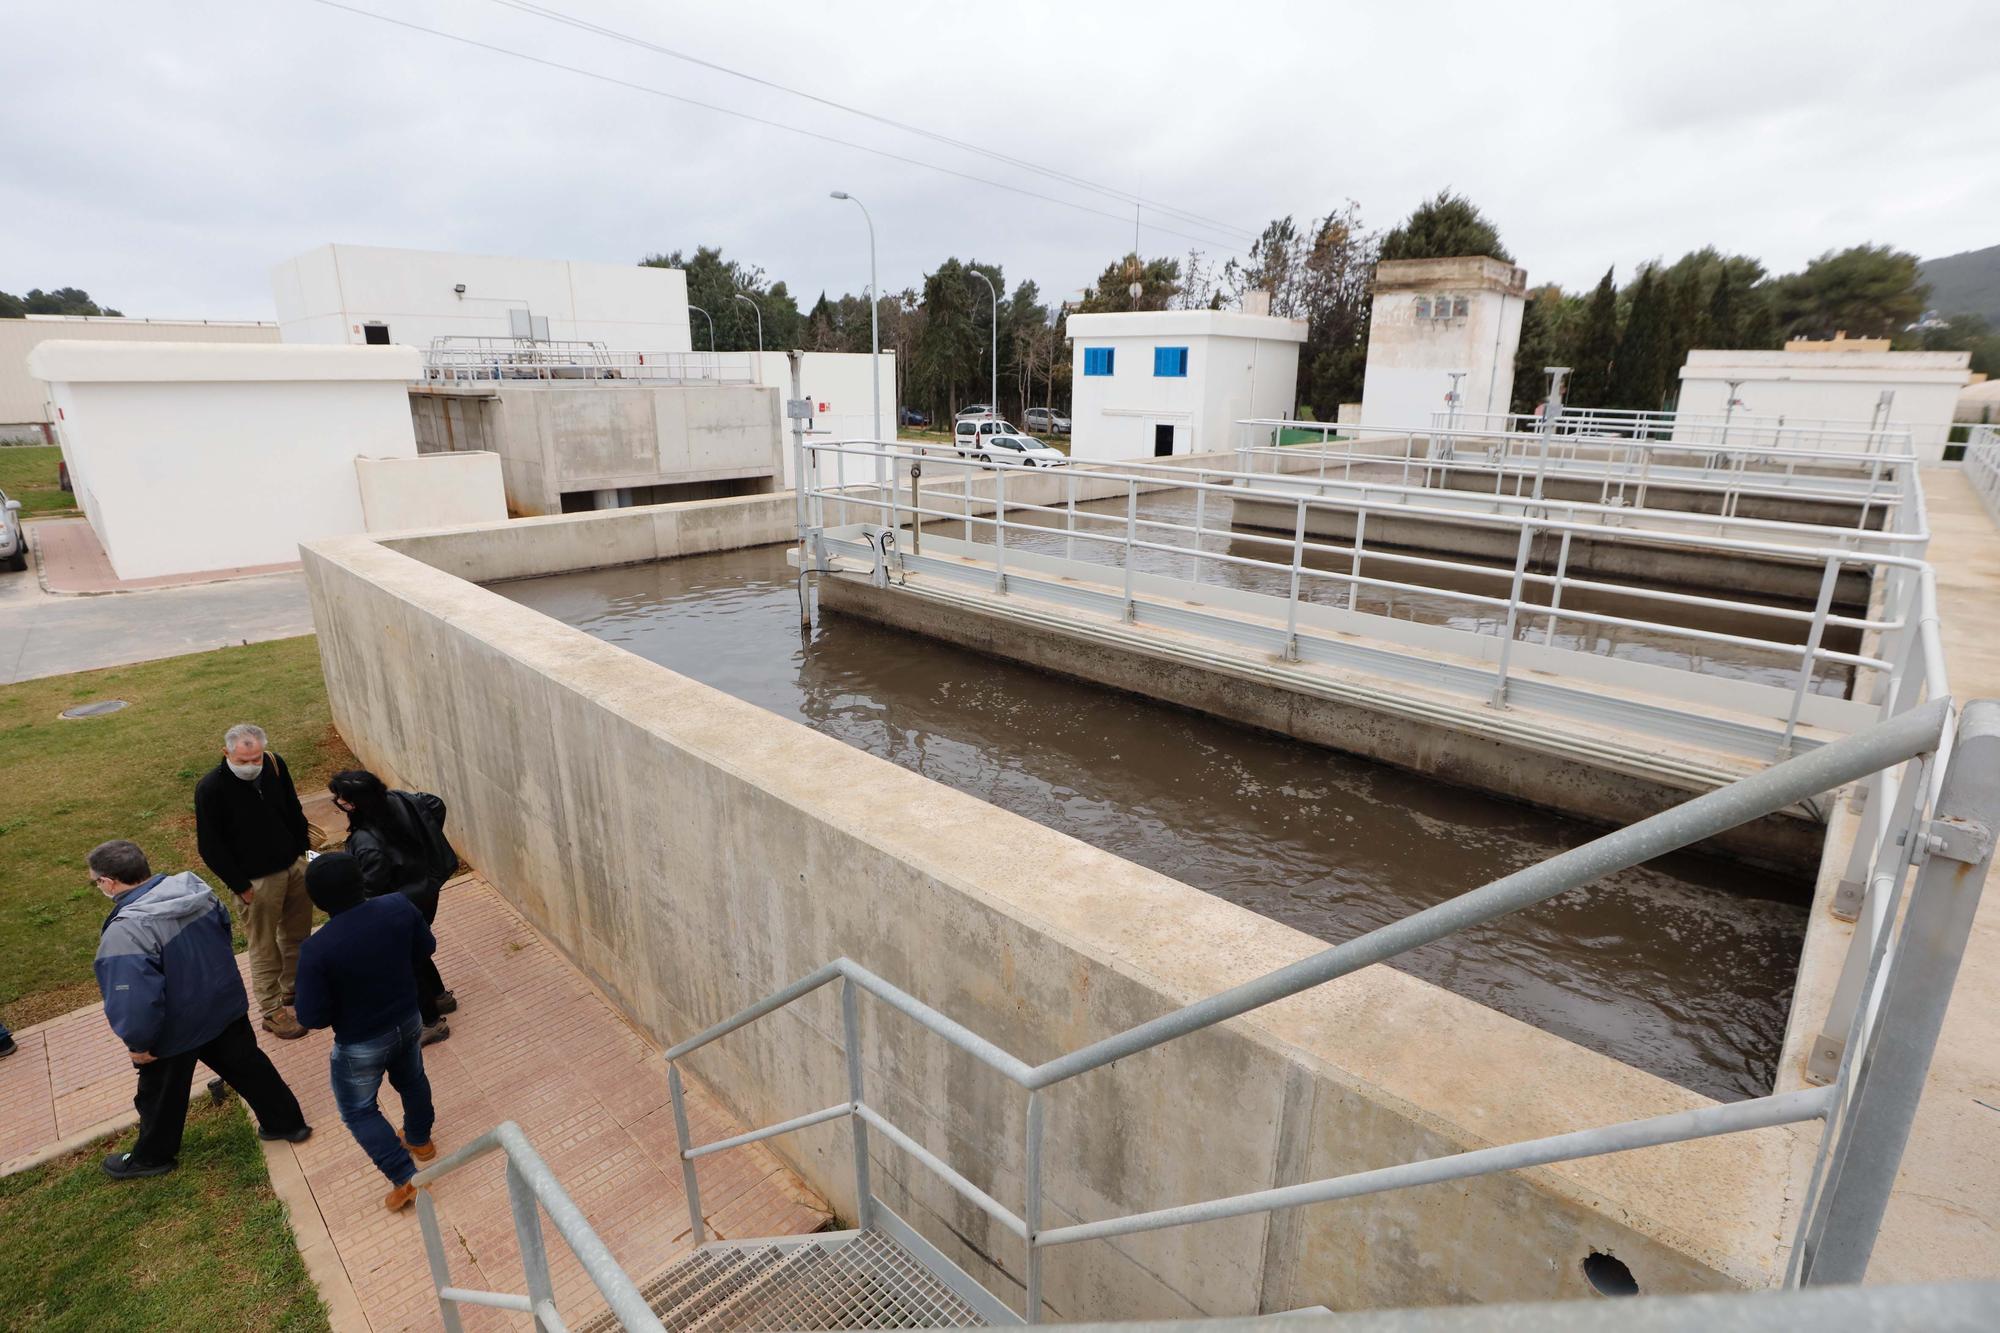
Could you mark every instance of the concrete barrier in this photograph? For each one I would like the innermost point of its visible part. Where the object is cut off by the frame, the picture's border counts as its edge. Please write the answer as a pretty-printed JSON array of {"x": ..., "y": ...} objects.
[{"x": 693, "y": 852}]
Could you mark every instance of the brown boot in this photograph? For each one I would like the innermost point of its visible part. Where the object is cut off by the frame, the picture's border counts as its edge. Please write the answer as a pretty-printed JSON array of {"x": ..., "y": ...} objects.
[
  {"x": 423, "y": 1152},
  {"x": 399, "y": 1197},
  {"x": 281, "y": 1024}
]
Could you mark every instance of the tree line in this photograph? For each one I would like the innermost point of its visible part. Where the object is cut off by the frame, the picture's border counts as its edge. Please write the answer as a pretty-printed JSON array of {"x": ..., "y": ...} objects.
[{"x": 61, "y": 301}]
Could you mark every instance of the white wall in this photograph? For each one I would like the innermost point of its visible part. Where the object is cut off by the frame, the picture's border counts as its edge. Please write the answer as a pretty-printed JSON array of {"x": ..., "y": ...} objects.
[
  {"x": 1238, "y": 366},
  {"x": 326, "y": 295},
  {"x": 201, "y": 456},
  {"x": 839, "y": 380},
  {"x": 23, "y": 400},
  {"x": 1410, "y": 360},
  {"x": 1832, "y": 386},
  {"x": 433, "y": 491}
]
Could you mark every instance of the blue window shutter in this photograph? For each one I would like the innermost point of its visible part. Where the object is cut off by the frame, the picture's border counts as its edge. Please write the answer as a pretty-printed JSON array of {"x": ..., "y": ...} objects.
[
  {"x": 1170, "y": 362},
  {"x": 1097, "y": 360}
]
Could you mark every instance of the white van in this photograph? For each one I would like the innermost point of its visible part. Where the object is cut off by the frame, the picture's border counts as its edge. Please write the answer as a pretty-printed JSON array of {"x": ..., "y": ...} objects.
[{"x": 970, "y": 434}]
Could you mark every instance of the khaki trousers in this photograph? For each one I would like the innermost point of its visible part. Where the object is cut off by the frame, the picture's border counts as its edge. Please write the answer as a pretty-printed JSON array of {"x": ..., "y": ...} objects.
[{"x": 276, "y": 921}]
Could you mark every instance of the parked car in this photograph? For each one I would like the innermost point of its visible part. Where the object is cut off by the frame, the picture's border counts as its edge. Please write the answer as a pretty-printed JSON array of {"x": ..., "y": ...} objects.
[
  {"x": 1021, "y": 451},
  {"x": 13, "y": 538},
  {"x": 968, "y": 432},
  {"x": 1046, "y": 418},
  {"x": 909, "y": 416}
]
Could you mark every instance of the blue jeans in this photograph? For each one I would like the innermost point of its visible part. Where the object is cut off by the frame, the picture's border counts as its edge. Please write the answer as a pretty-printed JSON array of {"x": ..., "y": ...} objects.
[{"x": 357, "y": 1069}]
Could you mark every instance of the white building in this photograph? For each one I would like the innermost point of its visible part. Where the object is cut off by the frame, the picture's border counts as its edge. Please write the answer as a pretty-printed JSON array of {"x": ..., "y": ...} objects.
[
  {"x": 200, "y": 457},
  {"x": 1832, "y": 386},
  {"x": 1149, "y": 383},
  {"x": 836, "y": 384},
  {"x": 24, "y": 401},
  {"x": 372, "y": 294},
  {"x": 1434, "y": 317}
]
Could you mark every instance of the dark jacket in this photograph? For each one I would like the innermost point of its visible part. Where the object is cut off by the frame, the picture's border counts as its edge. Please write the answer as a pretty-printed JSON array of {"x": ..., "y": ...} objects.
[
  {"x": 165, "y": 966},
  {"x": 247, "y": 829},
  {"x": 357, "y": 973},
  {"x": 404, "y": 850}
]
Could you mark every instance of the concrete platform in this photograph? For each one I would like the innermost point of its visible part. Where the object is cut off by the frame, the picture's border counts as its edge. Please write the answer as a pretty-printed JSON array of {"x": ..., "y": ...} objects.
[
  {"x": 1944, "y": 1219},
  {"x": 533, "y": 1041}
]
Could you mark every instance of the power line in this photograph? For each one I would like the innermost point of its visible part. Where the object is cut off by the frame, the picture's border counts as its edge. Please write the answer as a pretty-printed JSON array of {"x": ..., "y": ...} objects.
[
  {"x": 1227, "y": 247},
  {"x": 586, "y": 25}
]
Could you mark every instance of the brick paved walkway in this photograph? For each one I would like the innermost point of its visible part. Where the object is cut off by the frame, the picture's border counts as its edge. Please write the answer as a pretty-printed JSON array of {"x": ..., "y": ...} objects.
[
  {"x": 73, "y": 561},
  {"x": 532, "y": 1042}
]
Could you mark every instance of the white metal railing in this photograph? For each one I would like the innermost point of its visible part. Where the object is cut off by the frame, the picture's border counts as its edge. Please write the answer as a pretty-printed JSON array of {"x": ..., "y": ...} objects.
[
  {"x": 522, "y": 361},
  {"x": 1698, "y": 478},
  {"x": 1868, "y": 1109},
  {"x": 1982, "y": 466},
  {"x": 1778, "y": 431},
  {"x": 1534, "y": 590},
  {"x": 531, "y": 1189}
]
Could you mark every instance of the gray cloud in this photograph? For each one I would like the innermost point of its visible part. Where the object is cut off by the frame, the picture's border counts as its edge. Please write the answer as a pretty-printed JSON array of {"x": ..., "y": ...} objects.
[{"x": 165, "y": 156}]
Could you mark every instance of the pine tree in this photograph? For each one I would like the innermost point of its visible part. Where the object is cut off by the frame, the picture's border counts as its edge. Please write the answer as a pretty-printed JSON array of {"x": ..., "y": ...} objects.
[
  {"x": 1596, "y": 348},
  {"x": 1638, "y": 378},
  {"x": 1719, "y": 329},
  {"x": 1446, "y": 227}
]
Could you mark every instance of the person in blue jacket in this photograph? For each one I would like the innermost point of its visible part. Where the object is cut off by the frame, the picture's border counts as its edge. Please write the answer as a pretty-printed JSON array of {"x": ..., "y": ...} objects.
[
  {"x": 173, "y": 995},
  {"x": 359, "y": 975}
]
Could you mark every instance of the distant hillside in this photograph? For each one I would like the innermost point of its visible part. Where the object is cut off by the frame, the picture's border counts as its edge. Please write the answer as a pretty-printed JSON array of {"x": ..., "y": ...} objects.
[{"x": 1967, "y": 284}]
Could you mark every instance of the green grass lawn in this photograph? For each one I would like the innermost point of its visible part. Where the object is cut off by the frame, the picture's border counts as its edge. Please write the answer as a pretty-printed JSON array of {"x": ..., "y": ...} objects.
[
  {"x": 205, "y": 1248},
  {"x": 28, "y": 474},
  {"x": 66, "y": 786}
]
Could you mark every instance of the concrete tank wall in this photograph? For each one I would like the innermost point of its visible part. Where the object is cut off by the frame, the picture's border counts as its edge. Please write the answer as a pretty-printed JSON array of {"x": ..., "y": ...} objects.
[{"x": 693, "y": 852}]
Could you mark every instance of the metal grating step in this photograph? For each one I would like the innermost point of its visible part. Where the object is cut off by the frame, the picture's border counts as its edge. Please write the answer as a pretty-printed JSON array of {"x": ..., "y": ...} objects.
[{"x": 866, "y": 1281}]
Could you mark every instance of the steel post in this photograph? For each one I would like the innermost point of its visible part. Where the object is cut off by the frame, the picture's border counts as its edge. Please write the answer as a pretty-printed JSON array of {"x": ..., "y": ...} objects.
[
  {"x": 1499, "y": 698},
  {"x": 1031, "y": 1211},
  {"x": 689, "y": 1184},
  {"x": 427, "y": 1223},
  {"x": 1131, "y": 536},
  {"x": 1000, "y": 530},
  {"x": 1810, "y": 655},
  {"x": 850, "y": 1023},
  {"x": 528, "y": 1235},
  {"x": 1887, "y": 1072},
  {"x": 1292, "y": 599}
]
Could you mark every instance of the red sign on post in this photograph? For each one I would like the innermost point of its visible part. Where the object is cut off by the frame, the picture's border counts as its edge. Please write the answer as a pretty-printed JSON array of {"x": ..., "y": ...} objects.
[{"x": 822, "y": 407}]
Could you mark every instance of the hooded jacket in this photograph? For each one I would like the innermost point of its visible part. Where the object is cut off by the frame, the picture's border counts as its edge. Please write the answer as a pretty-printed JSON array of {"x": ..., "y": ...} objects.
[{"x": 165, "y": 966}]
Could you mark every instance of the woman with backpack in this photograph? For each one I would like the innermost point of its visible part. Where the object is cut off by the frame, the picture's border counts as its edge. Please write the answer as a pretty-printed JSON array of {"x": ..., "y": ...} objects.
[{"x": 397, "y": 838}]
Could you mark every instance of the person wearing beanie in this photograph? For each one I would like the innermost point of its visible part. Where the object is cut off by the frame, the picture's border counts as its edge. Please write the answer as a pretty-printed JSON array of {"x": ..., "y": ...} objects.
[{"x": 358, "y": 975}]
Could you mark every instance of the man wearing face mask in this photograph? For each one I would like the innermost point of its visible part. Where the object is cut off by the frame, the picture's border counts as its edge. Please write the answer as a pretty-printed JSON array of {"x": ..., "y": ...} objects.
[{"x": 251, "y": 831}]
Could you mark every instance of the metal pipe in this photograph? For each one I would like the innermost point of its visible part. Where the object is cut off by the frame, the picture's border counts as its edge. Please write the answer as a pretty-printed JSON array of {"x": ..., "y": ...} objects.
[
  {"x": 1761, "y": 794},
  {"x": 806, "y": 1121},
  {"x": 1704, "y": 1122},
  {"x": 850, "y": 1026},
  {"x": 690, "y": 1182},
  {"x": 950, "y": 1029},
  {"x": 1031, "y": 1212},
  {"x": 979, "y": 1198},
  {"x": 498, "y": 1300},
  {"x": 528, "y": 1236},
  {"x": 812, "y": 981},
  {"x": 427, "y": 1223}
]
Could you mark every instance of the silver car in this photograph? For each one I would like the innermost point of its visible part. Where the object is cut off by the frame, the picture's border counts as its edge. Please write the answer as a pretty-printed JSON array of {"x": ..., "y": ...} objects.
[
  {"x": 1043, "y": 418},
  {"x": 13, "y": 538}
]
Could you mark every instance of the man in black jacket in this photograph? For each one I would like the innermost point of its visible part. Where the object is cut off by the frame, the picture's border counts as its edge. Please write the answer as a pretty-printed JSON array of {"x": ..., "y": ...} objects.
[{"x": 251, "y": 831}]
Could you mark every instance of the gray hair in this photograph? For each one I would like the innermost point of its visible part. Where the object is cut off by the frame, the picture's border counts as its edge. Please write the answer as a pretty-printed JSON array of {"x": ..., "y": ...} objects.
[
  {"x": 121, "y": 861},
  {"x": 241, "y": 732}
]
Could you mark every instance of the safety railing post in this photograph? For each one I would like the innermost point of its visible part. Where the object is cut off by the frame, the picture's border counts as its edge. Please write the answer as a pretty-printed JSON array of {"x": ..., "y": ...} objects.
[
  {"x": 528, "y": 1235},
  {"x": 1000, "y": 530},
  {"x": 689, "y": 1184},
  {"x": 1200, "y": 503},
  {"x": 1131, "y": 551},
  {"x": 1556, "y": 591},
  {"x": 1292, "y": 599},
  {"x": 1069, "y": 519},
  {"x": 1809, "y": 657},
  {"x": 427, "y": 1223},
  {"x": 1499, "y": 697},
  {"x": 1887, "y": 1072},
  {"x": 1354, "y": 570},
  {"x": 1031, "y": 1211},
  {"x": 850, "y": 1023}
]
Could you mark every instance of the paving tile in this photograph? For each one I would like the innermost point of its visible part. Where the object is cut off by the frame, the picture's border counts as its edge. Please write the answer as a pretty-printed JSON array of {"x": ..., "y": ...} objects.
[{"x": 532, "y": 1042}]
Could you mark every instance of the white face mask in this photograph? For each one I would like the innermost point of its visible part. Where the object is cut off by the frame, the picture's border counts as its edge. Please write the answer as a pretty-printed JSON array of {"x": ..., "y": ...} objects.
[{"x": 248, "y": 772}]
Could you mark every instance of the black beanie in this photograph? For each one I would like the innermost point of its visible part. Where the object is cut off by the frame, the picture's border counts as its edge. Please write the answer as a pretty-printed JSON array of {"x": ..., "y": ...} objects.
[{"x": 333, "y": 882}]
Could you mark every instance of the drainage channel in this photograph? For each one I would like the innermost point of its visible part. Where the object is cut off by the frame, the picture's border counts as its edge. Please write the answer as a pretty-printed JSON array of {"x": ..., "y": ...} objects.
[{"x": 1682, "y": 967}]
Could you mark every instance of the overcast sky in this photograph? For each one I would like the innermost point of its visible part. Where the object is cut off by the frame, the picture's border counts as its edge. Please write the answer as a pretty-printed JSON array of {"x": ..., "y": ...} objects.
[{"x": 166, "y": 155}]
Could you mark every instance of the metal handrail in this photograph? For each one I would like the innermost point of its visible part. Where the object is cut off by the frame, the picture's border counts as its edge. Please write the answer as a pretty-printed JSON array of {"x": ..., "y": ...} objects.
[
  {"x": 530, "y": 1182},
  {"x": 1967, "y": 807},
  {"x": 1689, "y": 426},
  {"x": 1982, "y": 466},
  {"x": 1828, "y": 550},
  {"x": 583, "y": 363}
]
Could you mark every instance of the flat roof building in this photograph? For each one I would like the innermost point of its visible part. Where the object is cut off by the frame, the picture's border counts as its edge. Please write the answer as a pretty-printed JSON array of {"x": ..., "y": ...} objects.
[
  {"x": 1150, "y": 383},
  {"x": 1914, "y": 391}
]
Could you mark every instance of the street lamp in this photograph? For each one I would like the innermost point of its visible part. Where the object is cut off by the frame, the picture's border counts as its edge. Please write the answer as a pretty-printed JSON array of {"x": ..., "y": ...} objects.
[
  {"x": 874, "y": 330},
  {"x": 993, "y": 405},
  {"x": 711, "y": 326},
  {"x": 760, "y": 332}
]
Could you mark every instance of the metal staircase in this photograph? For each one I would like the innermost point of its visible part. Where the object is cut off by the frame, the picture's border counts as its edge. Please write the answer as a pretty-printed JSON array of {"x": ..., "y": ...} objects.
[{"x": 835, "y": 1280}]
